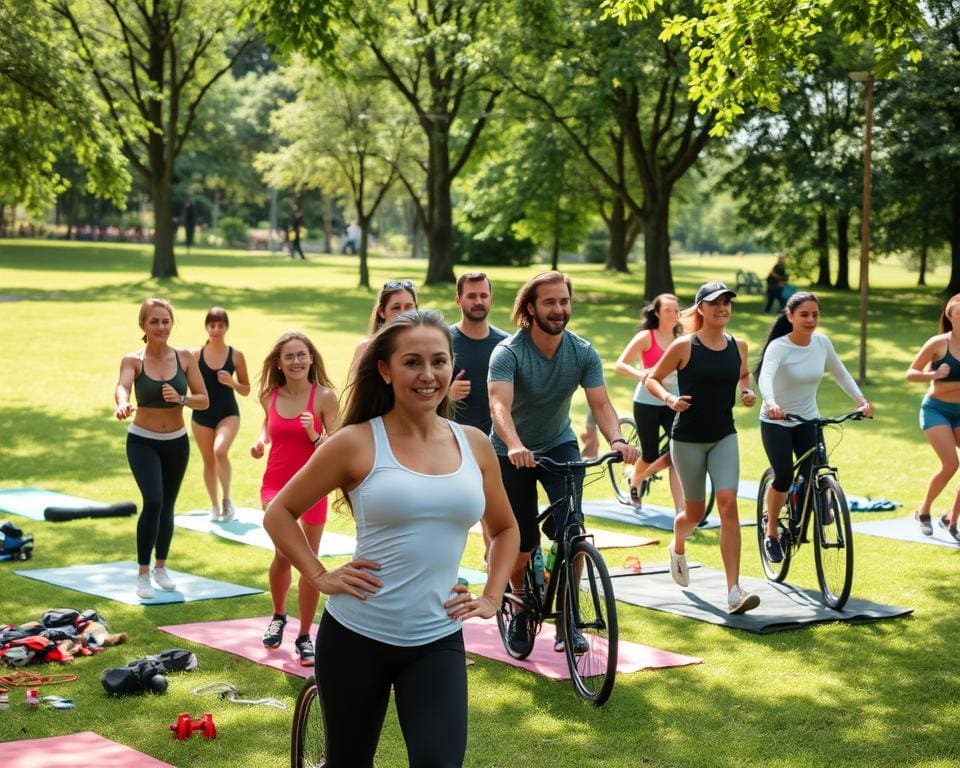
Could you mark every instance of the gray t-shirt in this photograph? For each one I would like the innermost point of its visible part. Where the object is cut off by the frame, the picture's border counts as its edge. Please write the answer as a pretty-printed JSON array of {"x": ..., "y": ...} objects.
[{"x": 543, "y": 387}]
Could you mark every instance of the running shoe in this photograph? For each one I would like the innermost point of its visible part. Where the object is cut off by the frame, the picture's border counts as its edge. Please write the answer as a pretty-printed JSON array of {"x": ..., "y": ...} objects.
[
  {"x": 772, "y": 549},
  {"x": 273, "y": 634},
  {"x": 678, "y": 567},
  {"x": 741, "y": 601},
  {"x": 305, "y": 651},
  {"x": 214, "y": 514},
  {"x": 518, "y": 634},
  {"x": 951, "y": 529},
  {"x": 229, "y": 513},
  {"x": 144, "y": 587},
  {"x": 924, "y": 522},
  {"x": 580, "y": 644},
  {"x": 163, "y": 580}
]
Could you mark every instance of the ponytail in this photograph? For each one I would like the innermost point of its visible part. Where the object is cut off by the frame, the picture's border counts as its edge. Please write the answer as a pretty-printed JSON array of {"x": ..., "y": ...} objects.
[{"x": 782, "y": 326}]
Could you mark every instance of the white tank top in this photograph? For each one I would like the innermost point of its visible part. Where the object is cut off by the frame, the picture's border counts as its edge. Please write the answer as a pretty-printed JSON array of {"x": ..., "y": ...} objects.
[{"x": 415, "y": 526}]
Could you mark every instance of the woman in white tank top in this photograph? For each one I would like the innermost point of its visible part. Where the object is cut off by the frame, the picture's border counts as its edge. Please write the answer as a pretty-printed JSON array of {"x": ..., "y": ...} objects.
[{"x": 415, "y": 483}]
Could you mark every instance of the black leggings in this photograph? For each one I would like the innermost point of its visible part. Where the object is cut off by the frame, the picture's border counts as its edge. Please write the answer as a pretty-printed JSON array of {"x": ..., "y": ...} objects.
[
  {"x": 158, "y": 467},
  {"x": 354, "y": 677},
  {"x": 782, "y": 444},
  {"x": 651, "y": 420}
]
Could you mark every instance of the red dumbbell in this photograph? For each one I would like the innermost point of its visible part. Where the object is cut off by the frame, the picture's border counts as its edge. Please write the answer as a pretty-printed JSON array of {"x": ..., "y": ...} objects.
[{"x": 185, "y": 726}]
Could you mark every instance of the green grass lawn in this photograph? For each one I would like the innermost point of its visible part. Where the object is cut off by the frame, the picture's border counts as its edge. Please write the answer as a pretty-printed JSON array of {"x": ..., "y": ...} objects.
[{"x": 878, "y": 695}]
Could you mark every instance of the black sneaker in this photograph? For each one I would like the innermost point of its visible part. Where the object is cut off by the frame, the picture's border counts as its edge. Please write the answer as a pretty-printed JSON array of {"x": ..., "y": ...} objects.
[
  {"x": 518, "y": 634},
  {"x": 951, "y": 529},
  {"x": 305, "y": 651},
  {"x": 924, "y": 522},
  {"x": 773, "y": 550},
  {"x": 273, "y": 634},
  {"x": 580, "y": 644}
]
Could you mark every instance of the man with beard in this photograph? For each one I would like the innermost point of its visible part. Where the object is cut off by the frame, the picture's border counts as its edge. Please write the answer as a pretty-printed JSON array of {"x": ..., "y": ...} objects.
[
  {"x": 473, "y": 341},
  {"x": 533, "y": 375}
]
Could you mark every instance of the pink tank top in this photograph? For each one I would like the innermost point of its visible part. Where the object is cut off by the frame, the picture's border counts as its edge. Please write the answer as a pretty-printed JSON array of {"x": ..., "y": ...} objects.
[
  {"x": 290, "y": 449},
  {"x": 650, "y": 357}
]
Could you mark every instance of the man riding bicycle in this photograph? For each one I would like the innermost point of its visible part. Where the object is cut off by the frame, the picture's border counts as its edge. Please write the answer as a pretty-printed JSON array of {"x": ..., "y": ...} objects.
[{"x": 532, "y": 377}]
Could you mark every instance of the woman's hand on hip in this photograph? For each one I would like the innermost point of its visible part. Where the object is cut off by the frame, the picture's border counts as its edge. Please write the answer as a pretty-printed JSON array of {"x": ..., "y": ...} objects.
[{"x": 354, "y": 578}]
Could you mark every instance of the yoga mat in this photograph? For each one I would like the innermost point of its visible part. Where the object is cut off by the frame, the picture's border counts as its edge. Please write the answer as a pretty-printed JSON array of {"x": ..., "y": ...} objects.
[
  {"x": 781, "y": 606},
  {"x": 85, "y": 748},
  {"x": 482, "y": 637},
  {"x": 472, "y": 575},
  {"x": 118, "y": 581},
  {"x": 243, "y": 637},
  {"x": 247, "y": 528},
  {"x": 30, "y": 502},
  {"x": 906, "y": 529},
  {"x": 650, "y": 515},
  {"x": 606, "y": 539}
]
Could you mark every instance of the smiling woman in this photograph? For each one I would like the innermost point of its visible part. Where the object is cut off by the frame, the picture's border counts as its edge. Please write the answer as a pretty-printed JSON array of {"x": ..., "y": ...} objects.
[
  {"x": 415, "y": 482},
  {"x": 157, "y": 444}
]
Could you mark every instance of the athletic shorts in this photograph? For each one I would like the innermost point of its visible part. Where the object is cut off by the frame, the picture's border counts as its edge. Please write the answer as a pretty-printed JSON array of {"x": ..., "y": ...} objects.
[
  {"x": 937, "y": 413},
  {"x": 694, "y": 461}
]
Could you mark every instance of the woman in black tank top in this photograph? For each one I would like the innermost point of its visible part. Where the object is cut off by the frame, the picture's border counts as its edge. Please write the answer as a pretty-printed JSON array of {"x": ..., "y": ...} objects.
[
  {"x": 215, "y": 428},
  {"x": 711, "y": 365}
]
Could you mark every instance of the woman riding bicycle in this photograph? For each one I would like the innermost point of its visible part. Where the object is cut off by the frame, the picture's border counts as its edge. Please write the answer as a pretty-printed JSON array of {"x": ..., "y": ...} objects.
[
  {"x": 660, "y": 326},
  {"x": 416, "y": 482},
  {"x": 791, "y": 366}
]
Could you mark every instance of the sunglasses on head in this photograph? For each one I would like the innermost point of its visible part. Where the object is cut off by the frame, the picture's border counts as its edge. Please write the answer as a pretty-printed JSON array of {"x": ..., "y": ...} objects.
[{"x": 395, "y": 285}]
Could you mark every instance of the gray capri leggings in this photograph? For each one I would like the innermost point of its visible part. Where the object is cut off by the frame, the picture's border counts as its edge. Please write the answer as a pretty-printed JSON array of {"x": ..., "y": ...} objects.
[{"x": 694, "y": 461}]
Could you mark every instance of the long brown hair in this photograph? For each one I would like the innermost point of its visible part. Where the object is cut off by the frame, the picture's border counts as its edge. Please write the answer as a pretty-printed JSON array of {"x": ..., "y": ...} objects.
[
  {"x": 148, "y": 304},
  {"x": 945, "y": 325},
  {"x": 272, "y": 377},
  {"x": 368, "y": 395},
  {"x": 651, "y": 315},
  {"x": 389, "y": 288},
  {"x": 528, "y": 295}
]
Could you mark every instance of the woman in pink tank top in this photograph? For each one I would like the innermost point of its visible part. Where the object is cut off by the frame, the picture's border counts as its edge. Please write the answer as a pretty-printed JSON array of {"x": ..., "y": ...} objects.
[{"x": 300, "y": 410}]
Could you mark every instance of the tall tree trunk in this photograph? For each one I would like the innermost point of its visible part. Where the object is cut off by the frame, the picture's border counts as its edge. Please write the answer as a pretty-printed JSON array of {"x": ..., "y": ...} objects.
[
  {"x": 924, "y": 248},
  {"x": 555, "y": 246},
  {"x": 658, "y": 276},
  {"x": 164, "y": 263},
  {"x": 954, "y": 285},
  {"x": 362, "y": 252},
  {"x": 843, "y": 250},
  {"x": 440, "y": 217},
  {"x": 328, "y": 223},
  {"x": 822, "y": 245},
  {"x": 617, "y": 243}
]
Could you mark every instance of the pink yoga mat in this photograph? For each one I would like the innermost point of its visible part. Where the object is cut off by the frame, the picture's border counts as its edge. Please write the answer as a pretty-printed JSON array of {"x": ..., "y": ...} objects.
[
  {"x": 86, "y": 748},
  {"x": 243, "y": 637},
  {"x": 483, "y": 639},
  {"x": 603, "y": 539}
]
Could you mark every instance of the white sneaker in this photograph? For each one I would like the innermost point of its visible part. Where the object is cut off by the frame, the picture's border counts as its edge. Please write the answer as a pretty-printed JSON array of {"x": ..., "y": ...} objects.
[
  {"x": 163, "y": 579},
  {"x": 144, "y": 587},
  {"x": 214, "y": 514},
  {"x": 678, "y": 567},
  {"x": 741, "y": 601},
  {"x": 229, "y": 513}
]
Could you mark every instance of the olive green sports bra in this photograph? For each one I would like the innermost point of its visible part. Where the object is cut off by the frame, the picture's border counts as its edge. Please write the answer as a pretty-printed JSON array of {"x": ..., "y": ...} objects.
[{"x": 149, "y": 391}]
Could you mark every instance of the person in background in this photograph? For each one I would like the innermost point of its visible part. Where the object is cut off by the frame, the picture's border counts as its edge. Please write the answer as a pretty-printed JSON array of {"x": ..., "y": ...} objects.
[
  {"x": 395, "y": 298},
  {"x": 416, "y": 482},
  {"x": 710, "y": 366},
  {"x": 938, "y": 363},
  {"x": 658, "y": 330},
  {"x": 776, "y": 280},
  {"x": 157, "y": 444},
  {"x": 300, "y": 412},
  {"x": 215, "y": 428},
  {"x": 295, "y": 226},
  {"x": 791, "y": 366}
]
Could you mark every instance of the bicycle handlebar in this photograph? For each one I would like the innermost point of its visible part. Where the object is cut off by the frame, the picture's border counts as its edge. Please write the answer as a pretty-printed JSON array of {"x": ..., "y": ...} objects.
[
  {"x": 608, "y": 458},
  {"x": 852, "y": 416}
]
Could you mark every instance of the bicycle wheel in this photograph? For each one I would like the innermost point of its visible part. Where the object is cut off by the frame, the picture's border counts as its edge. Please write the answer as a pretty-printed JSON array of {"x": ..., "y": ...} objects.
[
  {"x": 307, "y": 741},
  {"x": 834, "y": 542},
  {"x": 774, "y": 571},
  {"x": 509, "y": 607},
  {"x": 590, "y": 611},
  {"x": 618, "y": 471}
]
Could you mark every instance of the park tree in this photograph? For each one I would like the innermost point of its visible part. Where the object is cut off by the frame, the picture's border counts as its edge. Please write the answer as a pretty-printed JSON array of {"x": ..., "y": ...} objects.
[
  {"x": 438, "y": 55},
  {"x": 152, "y": 62},
  {"x": 619, "y": 93},
  {"x": 50, "y": 126},
  {"x": 340, "y": 134}
]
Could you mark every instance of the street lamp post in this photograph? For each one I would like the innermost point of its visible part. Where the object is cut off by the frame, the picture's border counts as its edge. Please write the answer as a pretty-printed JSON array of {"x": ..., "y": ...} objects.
[{"x": 865, "y": 77}]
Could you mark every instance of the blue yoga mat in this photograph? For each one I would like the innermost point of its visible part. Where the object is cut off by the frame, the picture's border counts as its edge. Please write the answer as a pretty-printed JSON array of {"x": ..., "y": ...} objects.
[
  {"x": 247, "y": 528},
  {"x": 906, "y": 529},
  {"x": 472, "y": 575},
  {"x": 30, "y": 502},
  {"x": 118, "y": 581},
  {"x": 650, "y": 515}
]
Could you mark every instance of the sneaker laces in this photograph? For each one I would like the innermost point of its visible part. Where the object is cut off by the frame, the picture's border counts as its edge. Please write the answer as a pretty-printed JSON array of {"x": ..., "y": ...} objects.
[{"x": 229, "y": 692}]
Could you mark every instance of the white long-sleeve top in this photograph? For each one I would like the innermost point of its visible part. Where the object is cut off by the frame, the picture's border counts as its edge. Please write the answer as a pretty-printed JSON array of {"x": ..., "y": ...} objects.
[{"x": 790, "y": 375}]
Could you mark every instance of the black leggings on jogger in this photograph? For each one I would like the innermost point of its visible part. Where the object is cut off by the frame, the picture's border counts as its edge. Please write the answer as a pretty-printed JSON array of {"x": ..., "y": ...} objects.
[
  {"x": 158, "y": 467},
  {"x": 781, "y": 445},
  {"x": 354, "y": 677}
]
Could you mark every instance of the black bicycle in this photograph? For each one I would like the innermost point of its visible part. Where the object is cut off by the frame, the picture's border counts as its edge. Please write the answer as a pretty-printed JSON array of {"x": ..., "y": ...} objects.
[
  {"x": 307, "y": 740},
  {"x": 577, "y": 593},
  {"x": 620, "y": 476},
  {"x": 820, "y": 498}
]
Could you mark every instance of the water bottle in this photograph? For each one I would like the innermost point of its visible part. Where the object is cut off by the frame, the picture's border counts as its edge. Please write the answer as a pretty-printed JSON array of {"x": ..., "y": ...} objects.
[
  {"x": 796, "y": 494},
  {"x": 538, "y": 575},
  {"x": 550, "y": 562}
]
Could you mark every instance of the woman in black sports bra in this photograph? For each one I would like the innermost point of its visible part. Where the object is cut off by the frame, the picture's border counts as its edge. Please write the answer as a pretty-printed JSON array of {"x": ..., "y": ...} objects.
[
  {"x": 157, "y": 443},
  {"x": 215, "y": 428},
  {"x": 938, "y": 363}
]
